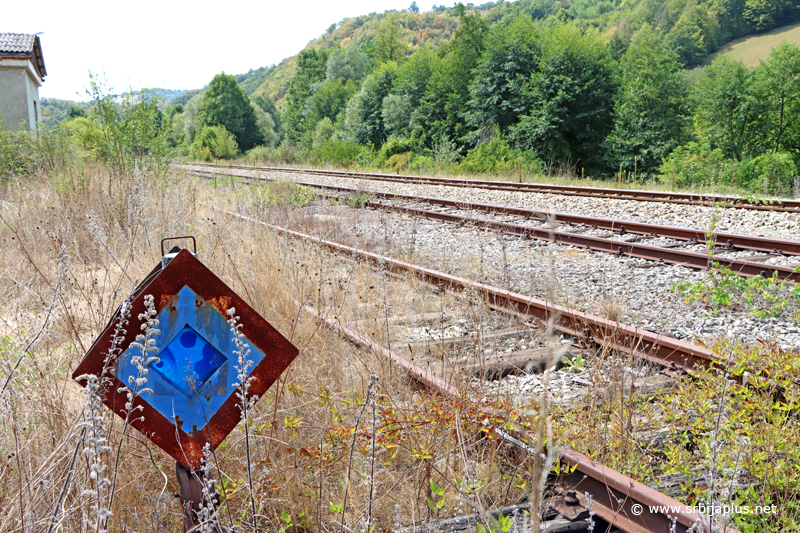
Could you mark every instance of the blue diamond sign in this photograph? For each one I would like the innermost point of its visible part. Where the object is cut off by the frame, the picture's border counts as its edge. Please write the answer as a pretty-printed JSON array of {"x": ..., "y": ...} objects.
[{"x": 185, "y": 389}]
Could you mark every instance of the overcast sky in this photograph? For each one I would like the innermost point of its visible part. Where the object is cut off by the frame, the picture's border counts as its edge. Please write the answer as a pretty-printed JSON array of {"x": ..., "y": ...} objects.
[{"x": 170, "y": 44}]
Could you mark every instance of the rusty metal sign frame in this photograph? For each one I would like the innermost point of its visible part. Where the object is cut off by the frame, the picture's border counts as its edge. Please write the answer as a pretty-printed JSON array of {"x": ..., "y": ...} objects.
[{"x": 186, "y": 447}]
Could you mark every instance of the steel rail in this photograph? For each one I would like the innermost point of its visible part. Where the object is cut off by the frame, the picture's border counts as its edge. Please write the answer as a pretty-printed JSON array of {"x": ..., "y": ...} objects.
[
  {"x": 657, "y": 348},
  {"x": 614, "y": 494},
  {"x": 692, "y": 235},
  {"x": 787, "y": 205},
  {"x": 643, "y": 251},
  {"x": 622, "y": 248}
]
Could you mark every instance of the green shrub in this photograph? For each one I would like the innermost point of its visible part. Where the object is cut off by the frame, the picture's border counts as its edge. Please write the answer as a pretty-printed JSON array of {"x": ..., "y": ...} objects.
[
  {"x": 399, "y": 162},
  {"x": 17, "y": 153},
  {"x": 394, "y": 146},
  {"x": 337, "y": 152},
  {"x": 496, "y": 156},
  {"x": 397, "y": 145},
  {"x": 219, "y": 142},
  {"x": 282, "y": 194},
  {"x": 695, "y": 165},
  {"x": 259, "y": 155},
  {"x": 770, "y": 173},
  {"x": 423, "y": 163}
]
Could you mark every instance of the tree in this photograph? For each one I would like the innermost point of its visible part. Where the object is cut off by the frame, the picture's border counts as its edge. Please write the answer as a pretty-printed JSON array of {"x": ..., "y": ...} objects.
[
  {"x": 348, "y": 64},
  {"x": 414, "y": 8},
  {"x": 75, "y": 111},
  {"x": 214, "y": 141},
  {"x": 652, "y": 106},
  {"x": 725, "y": 109},
  {"x": 311, "y": 71},
  {"x": 400, "y": 108},
  {"x": 442, "y": 110},
  {"x": 265, "y": 123},
  {"x": 760, "y": 15},
  {"x": 389, "y": 45},
  {"x": 497, "y": 97},
  {"x": 225, "y": 104},
  {"x": 694, "y": 35},
  {"x": 364, "y": 117},
  {"x": 269, "y": 107},
  {"x": 570, "y": 98},
  {"x": 329, "y": 100},
  {"x": 777, "y": 84}
]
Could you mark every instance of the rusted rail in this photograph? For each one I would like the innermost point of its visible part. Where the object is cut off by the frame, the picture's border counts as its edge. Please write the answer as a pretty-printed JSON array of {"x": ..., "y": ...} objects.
[
  {"x": 691, "y": 235},
  {"x": 622, "y": 248},
  {"x": 787, "y": 205},
  {"x": 661, "y": 349},
  {"x": 615, "y": 496}
]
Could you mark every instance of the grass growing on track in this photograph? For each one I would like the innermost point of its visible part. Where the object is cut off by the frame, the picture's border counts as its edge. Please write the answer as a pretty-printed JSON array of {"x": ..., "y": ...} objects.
[
  {"x": 330, "y": 444},
  {"x": 736, "y": 444},
  {"x": 320, "y": 430}
]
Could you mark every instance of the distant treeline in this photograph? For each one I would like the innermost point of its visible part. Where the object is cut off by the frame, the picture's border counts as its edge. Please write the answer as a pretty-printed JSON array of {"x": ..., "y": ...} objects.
[{"x": 587, "y": 88}]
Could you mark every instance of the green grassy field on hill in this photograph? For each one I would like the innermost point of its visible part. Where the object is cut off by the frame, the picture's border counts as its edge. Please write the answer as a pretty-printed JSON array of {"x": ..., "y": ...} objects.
[{"x": 754, "y": 48}]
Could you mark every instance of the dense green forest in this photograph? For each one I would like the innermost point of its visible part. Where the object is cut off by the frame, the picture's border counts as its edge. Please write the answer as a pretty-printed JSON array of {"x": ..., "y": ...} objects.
[{"x": 607, "y": 89}]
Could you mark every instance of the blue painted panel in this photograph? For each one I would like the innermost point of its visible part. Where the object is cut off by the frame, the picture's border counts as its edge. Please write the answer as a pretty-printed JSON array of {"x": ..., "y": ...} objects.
[
  {"x": 188, "y": 361},
  {"x": 196, "y": 372}
]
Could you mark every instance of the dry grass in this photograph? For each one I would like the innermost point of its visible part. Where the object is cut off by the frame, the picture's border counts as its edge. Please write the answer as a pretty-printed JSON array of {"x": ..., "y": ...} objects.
[
  {"x": 340, "y": 425},
  {"x": 302, "y": 431},
  {"x": 753, "y": 49}
]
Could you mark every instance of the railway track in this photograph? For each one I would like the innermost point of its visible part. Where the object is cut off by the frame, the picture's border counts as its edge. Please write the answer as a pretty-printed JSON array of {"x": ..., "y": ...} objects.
[
  {"x": 618, "y": 499},
  {"x": 673, "y": 354},
  {"x": 786, "y": 205},
  {"x": 578, "y": 225}
]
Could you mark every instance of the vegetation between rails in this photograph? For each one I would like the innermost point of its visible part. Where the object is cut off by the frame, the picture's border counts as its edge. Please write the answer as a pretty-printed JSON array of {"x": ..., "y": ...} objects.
[{"x": 329, "y": 443}]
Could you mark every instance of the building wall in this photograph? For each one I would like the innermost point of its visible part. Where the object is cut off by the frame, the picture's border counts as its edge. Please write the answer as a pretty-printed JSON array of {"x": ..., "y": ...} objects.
[
  {"x": 19, "y": 98},
  {"x": 34, "y": 106}
]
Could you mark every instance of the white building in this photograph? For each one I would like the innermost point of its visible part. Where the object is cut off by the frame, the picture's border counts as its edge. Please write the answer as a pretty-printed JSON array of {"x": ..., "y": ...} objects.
[{"x": 21, "y": 74}]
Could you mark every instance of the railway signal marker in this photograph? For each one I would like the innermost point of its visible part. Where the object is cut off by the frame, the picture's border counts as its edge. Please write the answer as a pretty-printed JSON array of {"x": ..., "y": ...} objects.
[{"x": 187, "y": 397}]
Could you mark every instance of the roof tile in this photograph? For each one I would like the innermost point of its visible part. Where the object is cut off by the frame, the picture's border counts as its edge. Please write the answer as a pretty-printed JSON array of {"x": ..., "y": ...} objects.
[{"x": 16, "y": 42}]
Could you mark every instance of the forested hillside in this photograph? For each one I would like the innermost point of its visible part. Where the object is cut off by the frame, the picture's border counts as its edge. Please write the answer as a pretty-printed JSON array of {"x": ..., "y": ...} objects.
[
  {"x": 597, "y": 88},
  {"x": 607, "y": 89},
  {"x": 690, "y": 28}
]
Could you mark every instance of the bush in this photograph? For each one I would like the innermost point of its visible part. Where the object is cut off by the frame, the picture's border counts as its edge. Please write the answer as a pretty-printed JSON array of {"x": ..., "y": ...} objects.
[
  {"x": 399, "y": 162},
  {"x": 259, "y": 155},
  {"x": 695, "y": 165},
  {"x": 496, "y": 156},
  {"x": 395, "y": 146},
  {"x": 215, "y": 141},
  {"x": 770, "y": 173},
  {"x": 423, "y": 163},
  {"x": 337, "y": 152},
  {"x": 17, "y": 154},
  {"x": 89, "y": 135},
  {"x": 282, "y": 194}
]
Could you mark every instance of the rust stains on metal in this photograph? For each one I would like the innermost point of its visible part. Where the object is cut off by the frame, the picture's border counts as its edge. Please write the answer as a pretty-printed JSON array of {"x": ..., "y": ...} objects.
[
  {"x": 613, "y": 493},
  {"x": 185, "y": 444},
  {"x": 658, "y": 348},
  {"x": 660, "y": 253}
]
